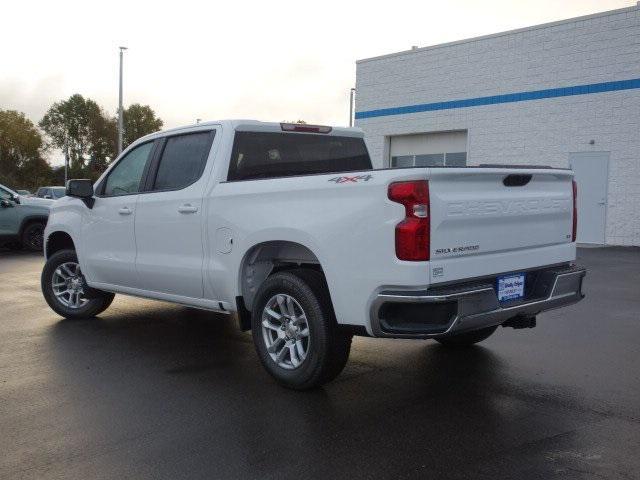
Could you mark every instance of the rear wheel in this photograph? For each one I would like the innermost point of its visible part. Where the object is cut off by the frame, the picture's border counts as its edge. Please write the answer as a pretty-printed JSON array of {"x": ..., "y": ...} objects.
[
  {"x": 66, "y": 291},
  {"x": 295, "y": 332},
  {"x": 468, "y": 338},
  {"x": 33, "y": 236}
]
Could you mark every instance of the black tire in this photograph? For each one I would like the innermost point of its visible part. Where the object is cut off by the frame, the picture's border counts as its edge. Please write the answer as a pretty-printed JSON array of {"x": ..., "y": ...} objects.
[
  {"x": 467, "y": 339},
  {"x": 98, "y": 301},
  {"x": 328, "y": 349},
  {"x": 32, "y": 237}
]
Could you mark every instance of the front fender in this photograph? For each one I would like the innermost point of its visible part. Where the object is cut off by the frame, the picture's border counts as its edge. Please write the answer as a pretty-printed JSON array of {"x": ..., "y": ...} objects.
[{"x": 66, "y": 216}]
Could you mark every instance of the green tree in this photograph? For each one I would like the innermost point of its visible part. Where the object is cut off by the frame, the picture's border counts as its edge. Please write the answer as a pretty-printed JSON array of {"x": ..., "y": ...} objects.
[
  {"x": 139, "y": 120},
  {"x": 21, "y": 152},
  {"x": 81, "y": 128}
]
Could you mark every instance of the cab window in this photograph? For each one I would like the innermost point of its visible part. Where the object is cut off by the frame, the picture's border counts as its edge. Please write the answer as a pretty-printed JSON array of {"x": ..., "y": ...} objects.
[
  {"x": 182, "y": 160},
  {"x": 273, "y": 155},
  {"x": 125, "y": 177}
]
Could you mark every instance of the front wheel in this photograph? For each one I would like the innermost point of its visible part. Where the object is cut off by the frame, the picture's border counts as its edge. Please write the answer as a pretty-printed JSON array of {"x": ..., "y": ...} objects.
[
  {"x": 66, "y": 291},
  {"x": 33, "y": 237},
  {"x": 467, "y": 339},
  {"x": 295, "y": 332}
]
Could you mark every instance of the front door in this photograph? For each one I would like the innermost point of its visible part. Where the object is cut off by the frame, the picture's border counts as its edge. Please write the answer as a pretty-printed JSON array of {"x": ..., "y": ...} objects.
[
  {"x": 109, "y": 253},
  {"x": 592, "y": 175},
  {"x": 169, "y": 218}
]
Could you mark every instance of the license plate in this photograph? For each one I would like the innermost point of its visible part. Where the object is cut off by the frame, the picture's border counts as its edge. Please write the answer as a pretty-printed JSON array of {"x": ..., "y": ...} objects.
[{"x": 511, "y": 287}]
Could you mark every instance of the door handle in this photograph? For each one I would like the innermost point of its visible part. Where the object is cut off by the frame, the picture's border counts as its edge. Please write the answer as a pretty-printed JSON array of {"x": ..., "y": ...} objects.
[
  {"x": 125, "y": 211},
  {"x": 602, "y": 203},
  {"x": 187, "y": 208}
]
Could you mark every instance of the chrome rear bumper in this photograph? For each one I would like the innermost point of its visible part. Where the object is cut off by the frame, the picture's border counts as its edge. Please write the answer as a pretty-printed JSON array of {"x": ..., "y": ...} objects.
[{"x": 438, "y": 312}]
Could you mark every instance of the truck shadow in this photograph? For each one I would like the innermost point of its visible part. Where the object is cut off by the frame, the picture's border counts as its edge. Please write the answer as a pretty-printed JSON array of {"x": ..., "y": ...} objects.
[{"x": 397, "y": 407}]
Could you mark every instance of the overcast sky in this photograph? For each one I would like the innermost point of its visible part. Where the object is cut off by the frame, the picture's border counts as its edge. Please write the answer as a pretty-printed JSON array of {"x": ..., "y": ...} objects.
[{"x": 268, "y": 60}]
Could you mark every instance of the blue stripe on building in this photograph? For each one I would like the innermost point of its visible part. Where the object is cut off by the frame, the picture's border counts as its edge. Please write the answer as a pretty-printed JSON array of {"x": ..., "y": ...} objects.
[{"x": 506, "y": 98}]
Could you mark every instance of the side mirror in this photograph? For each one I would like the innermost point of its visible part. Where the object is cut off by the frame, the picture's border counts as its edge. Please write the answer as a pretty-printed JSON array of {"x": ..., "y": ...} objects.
[
  {"x": 48, "y": 197},
  {"x": 16, "y": 199},
  {"x": 6, "y": 204},
  {"x": 82, "y": 189}
]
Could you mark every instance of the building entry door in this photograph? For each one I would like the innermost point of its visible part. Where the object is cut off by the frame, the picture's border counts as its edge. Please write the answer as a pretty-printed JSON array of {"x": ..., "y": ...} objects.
[{"x": 592, "y": 176}]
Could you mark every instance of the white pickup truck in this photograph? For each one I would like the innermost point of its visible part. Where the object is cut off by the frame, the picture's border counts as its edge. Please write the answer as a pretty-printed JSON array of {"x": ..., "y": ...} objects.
[{"x": 289, "y": 228}]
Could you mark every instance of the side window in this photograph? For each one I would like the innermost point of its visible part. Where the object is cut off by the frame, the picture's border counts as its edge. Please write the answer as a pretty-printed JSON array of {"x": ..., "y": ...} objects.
[
  {"x": 183, "y": 160},
  {"x": 125, "y": 177}
]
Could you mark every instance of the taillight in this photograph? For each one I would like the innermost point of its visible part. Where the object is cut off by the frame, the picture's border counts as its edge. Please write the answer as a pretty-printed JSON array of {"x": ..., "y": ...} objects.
[
  {"x": 575, "y": 211},
  {"x": 412, "y": 234}
]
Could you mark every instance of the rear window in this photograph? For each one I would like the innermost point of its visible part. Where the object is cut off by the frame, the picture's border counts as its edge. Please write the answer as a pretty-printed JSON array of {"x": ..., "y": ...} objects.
[{"x": 272, "y": 154}]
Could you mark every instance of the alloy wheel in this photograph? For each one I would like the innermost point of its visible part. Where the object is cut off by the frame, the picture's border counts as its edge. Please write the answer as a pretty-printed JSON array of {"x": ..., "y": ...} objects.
[
  {"x": 68, "y": 285},
  {"x": 285, "y": 331}
]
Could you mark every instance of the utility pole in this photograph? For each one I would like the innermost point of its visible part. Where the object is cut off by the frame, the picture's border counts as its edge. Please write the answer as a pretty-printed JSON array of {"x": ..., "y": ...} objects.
[
  {"x": 66, "y": 163},
  {"x": 352, "y": 94},
  {"x": 120, "y": 112}
]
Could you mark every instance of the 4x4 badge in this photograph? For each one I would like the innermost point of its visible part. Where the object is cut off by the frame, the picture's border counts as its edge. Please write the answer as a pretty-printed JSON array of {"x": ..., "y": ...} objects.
[{"x": 355, "y": 179}]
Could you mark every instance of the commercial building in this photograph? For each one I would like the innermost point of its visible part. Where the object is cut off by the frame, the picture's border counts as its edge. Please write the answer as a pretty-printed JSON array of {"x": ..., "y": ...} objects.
[{"x": 563, "y": 94}]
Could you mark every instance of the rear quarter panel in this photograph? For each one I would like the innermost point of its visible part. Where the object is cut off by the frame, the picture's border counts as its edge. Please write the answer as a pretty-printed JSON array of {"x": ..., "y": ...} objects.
[{"x": 348, "y": 225}]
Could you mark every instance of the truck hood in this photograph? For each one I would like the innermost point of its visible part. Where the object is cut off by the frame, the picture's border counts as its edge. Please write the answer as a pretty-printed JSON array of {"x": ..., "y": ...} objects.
[{"x": 36, "y": 202}]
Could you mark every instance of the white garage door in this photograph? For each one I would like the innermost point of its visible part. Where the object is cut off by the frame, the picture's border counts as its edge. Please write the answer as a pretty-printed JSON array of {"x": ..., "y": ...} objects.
[{"x": 434, "y": 149}]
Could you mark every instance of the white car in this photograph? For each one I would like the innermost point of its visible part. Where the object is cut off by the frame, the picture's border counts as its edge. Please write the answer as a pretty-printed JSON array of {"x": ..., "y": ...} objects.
[{"x": 289, "y": 228}]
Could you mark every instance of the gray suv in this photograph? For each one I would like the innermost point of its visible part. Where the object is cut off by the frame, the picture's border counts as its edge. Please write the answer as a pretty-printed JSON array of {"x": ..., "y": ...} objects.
[{"x": 22, "y": 220}]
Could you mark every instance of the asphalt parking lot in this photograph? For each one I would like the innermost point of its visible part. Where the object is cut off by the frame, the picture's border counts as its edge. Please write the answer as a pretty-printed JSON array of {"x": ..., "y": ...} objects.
[{"x": 152, "y": 390}]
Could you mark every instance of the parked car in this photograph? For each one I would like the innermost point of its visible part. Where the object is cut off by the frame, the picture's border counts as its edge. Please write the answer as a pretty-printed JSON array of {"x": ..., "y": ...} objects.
[
  {"x": 289, "y": 228},
  {"x": 22, "y": 220},
  {"x": 52, "y": 193}
]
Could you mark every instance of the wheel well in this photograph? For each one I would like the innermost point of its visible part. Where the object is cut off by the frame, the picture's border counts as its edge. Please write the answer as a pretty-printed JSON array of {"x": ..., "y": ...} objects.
[
  {"x": 266, "y": 258},
  {"x": 59, "y": 241},
  {"x": 31, "y": 221}
]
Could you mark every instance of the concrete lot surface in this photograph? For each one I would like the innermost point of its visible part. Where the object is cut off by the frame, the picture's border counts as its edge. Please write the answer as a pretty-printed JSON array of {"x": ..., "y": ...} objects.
[{"x": 152, "y": 390}]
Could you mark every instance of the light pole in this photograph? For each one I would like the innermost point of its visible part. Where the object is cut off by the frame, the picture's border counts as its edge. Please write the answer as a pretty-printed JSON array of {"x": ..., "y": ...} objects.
[
  {"x": 352, "y": 94},
  {"x": 66, "y": 163},
  {"x": 120, "y": 113}
]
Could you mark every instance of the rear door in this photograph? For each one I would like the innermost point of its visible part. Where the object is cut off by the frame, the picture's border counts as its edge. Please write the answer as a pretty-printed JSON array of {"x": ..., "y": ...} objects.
[{"x": 169, "y": 219}]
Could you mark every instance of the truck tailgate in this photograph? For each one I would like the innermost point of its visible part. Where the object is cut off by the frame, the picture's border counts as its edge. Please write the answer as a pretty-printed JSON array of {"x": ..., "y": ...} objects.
[{"x": 493, "y": 220}]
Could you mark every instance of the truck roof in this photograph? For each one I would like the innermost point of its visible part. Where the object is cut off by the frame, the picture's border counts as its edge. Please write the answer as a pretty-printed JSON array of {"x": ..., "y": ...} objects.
[{"x": 254, "y": 126}]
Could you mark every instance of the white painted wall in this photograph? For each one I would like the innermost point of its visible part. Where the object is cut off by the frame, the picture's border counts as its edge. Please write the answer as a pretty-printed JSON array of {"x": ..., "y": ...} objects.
[{"x": 597, "y": 48}]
